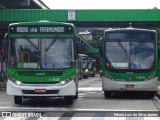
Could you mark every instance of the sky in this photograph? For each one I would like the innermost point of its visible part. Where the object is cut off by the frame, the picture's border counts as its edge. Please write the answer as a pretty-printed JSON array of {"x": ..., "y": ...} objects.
[{"x": 102, "y": 4}]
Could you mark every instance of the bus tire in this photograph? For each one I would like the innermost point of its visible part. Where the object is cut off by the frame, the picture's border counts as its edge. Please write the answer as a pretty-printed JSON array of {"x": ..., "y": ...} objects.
[
  {"x": 151, "y": 94},
  {"x": 100, "y": 74},
  {"x": 68, "y": 100},
  {"x": 107, "y": 94},
  {"x": 17, "y": 99},
  {"x": 86, "y": 76}
]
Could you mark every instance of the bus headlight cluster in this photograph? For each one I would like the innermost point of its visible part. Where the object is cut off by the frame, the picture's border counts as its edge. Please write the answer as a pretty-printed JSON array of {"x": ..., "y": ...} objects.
[
  {"x": 86, "y": 70},
  {"x": 150, "y": 77},
  {"x": 72, "y": 77},
  {"x": 109, "y": 77},
  {"x": 64, "y": 82},
  {"x": 17, "y": 82}
]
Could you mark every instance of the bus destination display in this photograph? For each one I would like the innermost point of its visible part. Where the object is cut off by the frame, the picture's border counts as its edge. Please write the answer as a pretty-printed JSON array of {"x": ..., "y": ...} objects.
[{"x": 41, "y": 29}]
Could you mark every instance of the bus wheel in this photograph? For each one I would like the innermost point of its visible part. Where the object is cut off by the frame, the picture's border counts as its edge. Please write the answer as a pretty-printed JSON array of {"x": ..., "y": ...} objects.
[
  {"x": 85, "y": 76},
  {"x": 68, "y": 100},
  {"x": 107, "y": 94},
  {"x": 76, "y": 97},
  {"x": 17, "y": 99},
  {"x": 151, "y": 94}
]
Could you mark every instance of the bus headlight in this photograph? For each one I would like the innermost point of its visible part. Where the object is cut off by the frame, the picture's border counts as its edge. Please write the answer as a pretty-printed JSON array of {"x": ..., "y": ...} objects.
[
  {"x": 64, "y": 82},
  {"x": 150, "y": 77},
  {"x": 86, "y": 70},
  {"x": 109, "y": 77},
  {"x": 17, "y": 82},
  {"x": 72, "y": 77}
]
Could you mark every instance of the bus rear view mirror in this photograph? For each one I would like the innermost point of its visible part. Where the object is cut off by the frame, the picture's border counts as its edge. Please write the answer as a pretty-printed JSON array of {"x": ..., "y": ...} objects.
[{"x": 6, "y": 36}]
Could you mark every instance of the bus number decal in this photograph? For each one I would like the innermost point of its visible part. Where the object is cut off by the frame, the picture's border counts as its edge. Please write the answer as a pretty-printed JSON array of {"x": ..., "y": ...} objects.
[
  {"x": 54, "y": 79},
  {"x": 22, "y": 29},
  {"x": 140, "y": 77}
]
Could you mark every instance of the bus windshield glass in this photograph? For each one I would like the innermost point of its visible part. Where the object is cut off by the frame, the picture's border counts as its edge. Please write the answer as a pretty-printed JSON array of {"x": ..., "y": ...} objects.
[
  {"x": 84, "y": 62},
  {"x": 130, "y": 55},
  {"x": 40, "y": 53},
  {"x": 90, "y": 65}
]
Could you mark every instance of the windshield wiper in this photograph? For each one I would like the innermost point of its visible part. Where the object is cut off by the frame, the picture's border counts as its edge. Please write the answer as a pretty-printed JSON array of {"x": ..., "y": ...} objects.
[
  {"x": 32, "y": 44},
  {"x": 123, "y": 48},
  {"x": 49, "y": 46}
]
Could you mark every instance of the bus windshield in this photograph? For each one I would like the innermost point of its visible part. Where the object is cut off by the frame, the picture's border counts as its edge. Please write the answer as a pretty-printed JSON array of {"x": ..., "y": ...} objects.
[
  {"x": 84, "y": 62},
  {"x": 130, "y": 55},
  {"x": 36, "y": 53},
  {"x": 90, "y": 65}
]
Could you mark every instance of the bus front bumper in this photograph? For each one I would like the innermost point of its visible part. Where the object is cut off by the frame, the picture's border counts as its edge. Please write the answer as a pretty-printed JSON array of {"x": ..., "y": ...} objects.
[
  {"x": 41, "y": 89},
  {"x": 84, "y": 73},
  {"x": 112, "y": 85}
]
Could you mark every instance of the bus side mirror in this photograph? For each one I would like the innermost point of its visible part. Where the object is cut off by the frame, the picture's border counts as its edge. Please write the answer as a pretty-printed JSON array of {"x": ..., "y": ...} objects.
[
  {"x": 6, "y": 36},
  {"x": 5, "y": 44}
]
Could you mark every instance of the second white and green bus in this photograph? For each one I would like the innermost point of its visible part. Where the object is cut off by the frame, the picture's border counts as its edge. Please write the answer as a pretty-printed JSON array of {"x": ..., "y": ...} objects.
[{"x": 129, "y": 61}]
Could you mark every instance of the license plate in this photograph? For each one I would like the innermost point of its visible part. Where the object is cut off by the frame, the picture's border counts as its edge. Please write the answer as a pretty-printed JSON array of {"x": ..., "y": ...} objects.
[
  {"x": 129, "y": 86},
  {"x": 40, "y": 90}
]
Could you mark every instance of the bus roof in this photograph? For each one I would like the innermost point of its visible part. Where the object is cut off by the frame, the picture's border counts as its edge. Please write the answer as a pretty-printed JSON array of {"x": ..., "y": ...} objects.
[{"x": 42, "y": 22}]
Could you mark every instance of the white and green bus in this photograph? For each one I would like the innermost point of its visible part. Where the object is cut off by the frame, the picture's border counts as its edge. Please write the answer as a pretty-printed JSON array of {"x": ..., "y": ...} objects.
[
  {"x": 42, "y": 60},
  {"x": 91, "y": 67},
  {"x": 129, "y": 61},
  {"x": 83, "y": 66}
]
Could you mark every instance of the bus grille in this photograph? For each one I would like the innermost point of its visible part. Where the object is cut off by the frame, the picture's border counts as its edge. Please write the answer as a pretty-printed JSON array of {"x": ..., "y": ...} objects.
[
  {"x": 40, "y": 73},
  {"x": 47, "y": 92},
  {"x": 43, "y": 83}
]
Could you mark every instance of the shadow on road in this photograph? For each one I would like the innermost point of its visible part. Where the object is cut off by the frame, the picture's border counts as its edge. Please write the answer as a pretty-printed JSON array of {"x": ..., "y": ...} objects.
[
  {"x": 45, "y": 102},
  {"x": 130, "y": 95}
]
